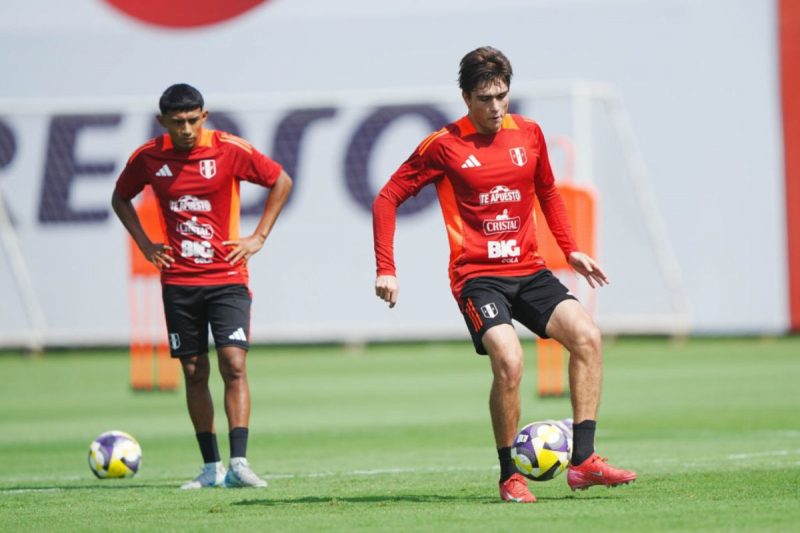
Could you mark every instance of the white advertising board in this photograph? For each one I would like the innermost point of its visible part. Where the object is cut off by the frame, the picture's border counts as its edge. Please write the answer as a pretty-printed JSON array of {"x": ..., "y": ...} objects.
[{"x": 301, "y": 79}]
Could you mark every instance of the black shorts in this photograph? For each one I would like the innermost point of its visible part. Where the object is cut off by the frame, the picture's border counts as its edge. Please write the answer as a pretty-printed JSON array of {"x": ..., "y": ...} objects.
[
  {"x": 191, "y": 309},
  {"x": 488, "y": 301}
]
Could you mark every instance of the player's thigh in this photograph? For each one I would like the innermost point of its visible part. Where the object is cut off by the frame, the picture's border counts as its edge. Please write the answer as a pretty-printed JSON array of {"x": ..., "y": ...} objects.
[
  {"x": 187, "y": 320},
  {"x": 537, "y": 299},
  {"x": 571, "y": 325},
  {"x": 229, "y": 315},
  {"x": 485, "y": 303}
]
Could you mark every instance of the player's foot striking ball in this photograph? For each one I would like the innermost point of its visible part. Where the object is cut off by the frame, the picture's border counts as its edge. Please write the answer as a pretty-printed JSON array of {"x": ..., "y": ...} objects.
[{"x": 595, "y": 471}]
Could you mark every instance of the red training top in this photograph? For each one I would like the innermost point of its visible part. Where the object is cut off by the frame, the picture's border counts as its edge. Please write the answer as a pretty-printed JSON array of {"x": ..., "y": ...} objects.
[
  {"x": 486, "y": 185},
  {"x": 198, "y": 192}
]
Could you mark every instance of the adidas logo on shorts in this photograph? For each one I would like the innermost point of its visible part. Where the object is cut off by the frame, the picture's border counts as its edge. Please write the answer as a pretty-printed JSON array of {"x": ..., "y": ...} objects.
[{"x": 238, "y": 335}]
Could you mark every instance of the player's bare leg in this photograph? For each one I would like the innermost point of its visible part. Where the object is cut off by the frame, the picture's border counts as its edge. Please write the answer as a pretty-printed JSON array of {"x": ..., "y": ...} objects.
[
  {"x": 571, "y": 325},
  {"x": 506, "y": 357},
  {"x": 574, "y": 329},
  {"x": 233, "y": 367},
  {"x": 196, "y": 372}
]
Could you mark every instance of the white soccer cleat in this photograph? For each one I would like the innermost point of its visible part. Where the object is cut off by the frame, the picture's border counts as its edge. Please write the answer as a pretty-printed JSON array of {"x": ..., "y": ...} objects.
[
  {"x": 213, "y": 475},
  {"x": 240, "y": 475}
]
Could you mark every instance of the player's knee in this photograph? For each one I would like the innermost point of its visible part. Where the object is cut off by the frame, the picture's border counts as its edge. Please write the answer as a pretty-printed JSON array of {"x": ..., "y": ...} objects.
[
  {"x": 232, "y": 373},
  {"x": 196, "y": 371},
  {"x": 588, "y": 339},
  {"x": 508, "y": 372},
  {"x": 232, "y": 369}
]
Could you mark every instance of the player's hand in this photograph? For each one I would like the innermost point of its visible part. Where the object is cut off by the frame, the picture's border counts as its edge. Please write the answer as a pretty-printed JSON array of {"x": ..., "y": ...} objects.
[
  {"x": 159, "y": 254},
  {"x": 588, "y": 268},
  {"x": 386, "y": 288},
  {"x": 244, "y": 248}
]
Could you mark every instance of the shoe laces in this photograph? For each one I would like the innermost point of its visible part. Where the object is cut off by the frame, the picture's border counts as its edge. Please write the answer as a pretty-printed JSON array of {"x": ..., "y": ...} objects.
[{"x": 515, "y": 481}]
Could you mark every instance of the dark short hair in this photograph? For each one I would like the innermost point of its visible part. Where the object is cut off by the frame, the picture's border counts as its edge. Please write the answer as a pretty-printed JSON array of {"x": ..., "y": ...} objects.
[
  {"x": 180, "y": 97},
  {"x": 484, "y": 64}
]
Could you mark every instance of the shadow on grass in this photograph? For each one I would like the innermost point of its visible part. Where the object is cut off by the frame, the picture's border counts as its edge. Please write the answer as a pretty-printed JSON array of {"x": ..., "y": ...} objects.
[
  {"x": 21, "y": 489},
  {"x": 398, "y": 498}
]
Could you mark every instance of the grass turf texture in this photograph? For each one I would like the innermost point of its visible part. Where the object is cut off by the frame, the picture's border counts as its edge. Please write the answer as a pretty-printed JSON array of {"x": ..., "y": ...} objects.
[{"x": 397, "y": 437}]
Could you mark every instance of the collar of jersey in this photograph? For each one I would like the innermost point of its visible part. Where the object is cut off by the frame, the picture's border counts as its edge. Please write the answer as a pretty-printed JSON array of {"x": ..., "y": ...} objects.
[
  {"x": 466, "y": 127},
  {"x": 205, "y": 140}
]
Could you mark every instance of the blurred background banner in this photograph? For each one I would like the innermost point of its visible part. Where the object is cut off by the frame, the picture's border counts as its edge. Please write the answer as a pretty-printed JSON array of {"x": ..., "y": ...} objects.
[{"x": 673, "y": 111}]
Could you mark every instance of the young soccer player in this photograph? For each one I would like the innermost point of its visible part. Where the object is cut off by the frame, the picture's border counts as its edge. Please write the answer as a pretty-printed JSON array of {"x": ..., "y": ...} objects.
[
  {"x": 488, "y": 167},
  {"x": 195, "y": 174}
]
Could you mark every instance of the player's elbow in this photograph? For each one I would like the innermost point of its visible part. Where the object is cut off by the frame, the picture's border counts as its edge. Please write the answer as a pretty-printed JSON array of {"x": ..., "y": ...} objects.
[
  {"x": 285, "y": 181},
  {"x": 385, "y": 199},
  {"x": 116, "y": 201}
]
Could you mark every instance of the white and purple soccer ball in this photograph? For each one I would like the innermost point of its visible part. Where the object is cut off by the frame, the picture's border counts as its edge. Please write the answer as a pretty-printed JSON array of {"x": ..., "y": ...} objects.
[
  {"x": 541, "y": 450},
  {"x": 115, "y": 454}
]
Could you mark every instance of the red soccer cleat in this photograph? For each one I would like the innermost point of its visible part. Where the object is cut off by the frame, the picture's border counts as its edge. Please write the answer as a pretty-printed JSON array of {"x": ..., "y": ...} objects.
[
  {"x": 515, "y": 489},
  {"x": 595, "y": 471}
]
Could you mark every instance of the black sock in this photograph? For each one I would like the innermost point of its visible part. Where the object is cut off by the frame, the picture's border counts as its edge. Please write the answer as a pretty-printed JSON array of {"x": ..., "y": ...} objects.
[
  {"x": 582, "y": 441},
  {"x": 507, "y": 468},
  {"x": 208, "y": 446},
  {"x": 238, "y": 439}
]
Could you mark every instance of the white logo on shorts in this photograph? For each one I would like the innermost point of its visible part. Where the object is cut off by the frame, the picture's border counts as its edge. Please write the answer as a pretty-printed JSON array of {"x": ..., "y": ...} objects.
[
  {"x": 174, "y": 341},
  {"x": 489, "y": 310},
  {"x": 238, "y": 335}
]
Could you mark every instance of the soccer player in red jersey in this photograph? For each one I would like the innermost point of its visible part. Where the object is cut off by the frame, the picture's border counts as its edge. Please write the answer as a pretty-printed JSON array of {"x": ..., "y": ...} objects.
[
  {"x": 195, "y": 173},
  {"x": 488, "y": 167}
]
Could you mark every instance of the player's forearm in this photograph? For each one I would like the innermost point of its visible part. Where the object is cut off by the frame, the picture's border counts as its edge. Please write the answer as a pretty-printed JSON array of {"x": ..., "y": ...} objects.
[
  {"x": 276, "y": 199},
  {"x": 384, "y": 221}
]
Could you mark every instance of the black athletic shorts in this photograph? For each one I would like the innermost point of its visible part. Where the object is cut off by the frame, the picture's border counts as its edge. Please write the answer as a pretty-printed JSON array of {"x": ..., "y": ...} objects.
[
  {"x": 190, "y": 310},
  {"x": 491, "y": 300}
]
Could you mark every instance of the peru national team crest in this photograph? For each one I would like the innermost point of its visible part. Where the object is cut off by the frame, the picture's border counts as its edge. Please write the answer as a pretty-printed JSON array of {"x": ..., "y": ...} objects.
[
  {"x": 518, "y": 156},
  {"x": 208, "y": 168},
  {"x": 489, "y": 310}
]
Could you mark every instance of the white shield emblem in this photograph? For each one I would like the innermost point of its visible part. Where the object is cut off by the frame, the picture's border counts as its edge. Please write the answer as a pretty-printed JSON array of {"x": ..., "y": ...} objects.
[
  {"x": 208, "y": 168},
  {"x": 489, "y": 310},
  {"x": 518, "y": 156},
  {"x": 174, "y": 341}
]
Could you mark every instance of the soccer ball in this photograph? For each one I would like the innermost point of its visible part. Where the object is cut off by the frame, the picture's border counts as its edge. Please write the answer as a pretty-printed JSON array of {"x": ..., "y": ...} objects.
[
  {"x": 115, "y": 454},
  {"x": 542, "y": 450}
]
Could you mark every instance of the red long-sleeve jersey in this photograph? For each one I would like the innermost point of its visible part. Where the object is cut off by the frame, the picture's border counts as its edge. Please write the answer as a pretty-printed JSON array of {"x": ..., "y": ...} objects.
[
  {"x": 486, "y": 184},
  {"x": 198, "y": 193}
]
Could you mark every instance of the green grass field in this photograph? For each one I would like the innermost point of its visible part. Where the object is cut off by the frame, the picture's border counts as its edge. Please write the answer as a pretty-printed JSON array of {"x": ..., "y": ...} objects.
[{"x": 397, "y": 437}]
